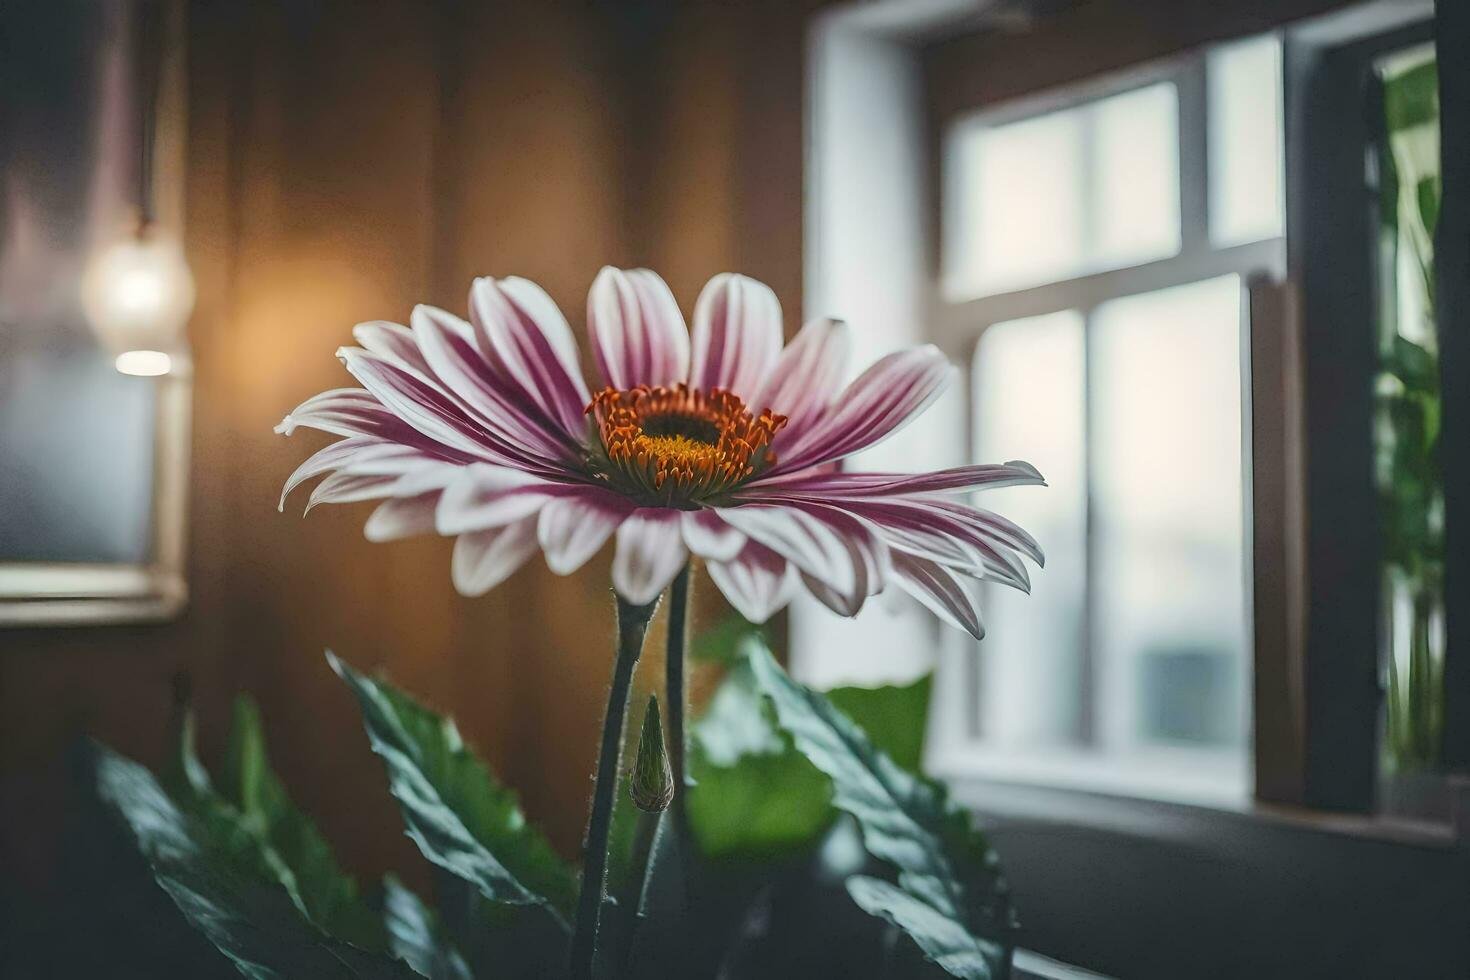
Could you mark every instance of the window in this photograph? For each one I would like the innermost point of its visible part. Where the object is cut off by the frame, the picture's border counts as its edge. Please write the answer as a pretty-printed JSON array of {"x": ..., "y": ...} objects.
[
  {"x": 1095, "y": 249},
  {"x": 1150, "y": 639},
  {"x": 1098, "y": 260}
]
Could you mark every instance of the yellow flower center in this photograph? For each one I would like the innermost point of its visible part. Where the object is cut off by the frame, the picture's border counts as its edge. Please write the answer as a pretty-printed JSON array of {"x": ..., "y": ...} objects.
[{"x": 678, "y": 447}]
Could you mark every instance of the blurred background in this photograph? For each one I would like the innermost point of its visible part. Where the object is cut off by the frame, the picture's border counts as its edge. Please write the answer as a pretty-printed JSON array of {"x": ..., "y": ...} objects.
[{"x": 1192, "y": 257}]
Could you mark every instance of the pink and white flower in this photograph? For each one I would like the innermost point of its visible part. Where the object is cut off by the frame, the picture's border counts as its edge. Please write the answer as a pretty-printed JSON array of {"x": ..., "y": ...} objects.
[{"x": 717, "y": 443}]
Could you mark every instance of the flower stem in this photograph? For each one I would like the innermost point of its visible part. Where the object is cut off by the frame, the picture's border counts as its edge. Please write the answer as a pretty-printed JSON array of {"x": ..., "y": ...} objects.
[
  {"x": 644, "y": 835},
  {"x": 632, "y": 625},
  {"x": 674, "y": 693}
]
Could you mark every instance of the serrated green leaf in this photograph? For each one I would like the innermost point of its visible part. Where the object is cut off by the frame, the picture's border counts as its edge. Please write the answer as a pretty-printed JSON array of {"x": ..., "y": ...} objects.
[
  {"x": 252, "y": 922},
  {"x": 756, "y": 797},
  {"x": 416, "y": 935},
  {"x": 459, "y": 815},
  {"x": 942, "y": 939},
  {"x": 905, "y": 819}
]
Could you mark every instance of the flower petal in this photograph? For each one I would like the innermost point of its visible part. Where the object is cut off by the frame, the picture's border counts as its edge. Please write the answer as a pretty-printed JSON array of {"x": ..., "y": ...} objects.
[
  {"x": 348, "y": 488},
  {"x": 882, "y": 400},
  {"x": 520, "y": 430},
  {"x": 352, "y": 412},
  {"x": 758, "y": 582},
  {"x": 484, "y": 559},
  {"x": 969, "y": 540},
  {"x": 487, "y": 496},
  {"x": 418, "y": 401},
  {"x": 330, "y": 457},
  {"x": 391, "y": 340},
  {"x": 573, "y": 528},
  {"x": 737, "y": 335},
  {"x": 832, "y": 547},
  {"x": 638, "y": 333},
  {"x": 938, "y": 589},
  {"x": 843, "y": 604},
  {"x": 402, "y": 517},
  {"x": 958, "y": 479},
  {"x": 710, "y": 536},
  {"x": 523, "y": 335},
  {"x": 807, "y": 376},
  {"x": 650, "y": 553}
]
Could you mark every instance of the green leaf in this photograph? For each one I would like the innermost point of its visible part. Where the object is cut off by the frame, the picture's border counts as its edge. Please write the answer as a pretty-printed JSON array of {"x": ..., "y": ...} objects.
[
  {"x": 754, "y": 796},
  {"x": 906, "y": 820},
  {"x": 218, "y": 820},
  {"x": 893, "y": 717},
  {"x": 459, "y": 815},
  {"x": 416, "y": 935},
  {"x": 185, "y": 776},
  {"x": 1416, "y": 367},
  {"x": 942, "y": 939},
  {"x": 252, "y": 922},
  {"x": 762, "y": 807},
  {"x": 736, "y": 722},
  {"x": 1427, "y": 196},
  {"x": 301, "y": 858},
  {"x": 725, "y": 642},
  {"x": 1412, "y": 98}
]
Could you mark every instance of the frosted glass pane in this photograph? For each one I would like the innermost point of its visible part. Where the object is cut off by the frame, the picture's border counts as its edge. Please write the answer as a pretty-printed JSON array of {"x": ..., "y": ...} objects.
[
  {"x": 1136, "y": 177},
  {"x": 1029, "y": 404},
  {"x": 1246, "y": 199},
  {"x": 1168, "y": 517},
  {"x": 1020, "y": 218}
]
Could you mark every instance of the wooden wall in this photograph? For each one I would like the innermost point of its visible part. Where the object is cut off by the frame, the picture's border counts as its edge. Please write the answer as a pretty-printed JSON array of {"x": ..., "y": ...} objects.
[{"x": 347, "y": 160}]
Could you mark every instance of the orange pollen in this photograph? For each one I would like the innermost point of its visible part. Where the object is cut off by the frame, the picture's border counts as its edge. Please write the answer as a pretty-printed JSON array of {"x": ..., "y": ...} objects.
[{"x": 678, "y": 446}]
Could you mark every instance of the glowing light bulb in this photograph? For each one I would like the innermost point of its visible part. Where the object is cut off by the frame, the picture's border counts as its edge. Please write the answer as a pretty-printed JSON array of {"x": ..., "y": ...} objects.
[
  {"x": 144, "y": 363},
  {"x": 138, "y": 294}
]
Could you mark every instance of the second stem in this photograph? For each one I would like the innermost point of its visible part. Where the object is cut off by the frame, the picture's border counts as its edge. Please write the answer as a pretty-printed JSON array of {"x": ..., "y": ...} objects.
[
  {"x": 632, "y": 626},
  {"x": 674, "y": 693}
]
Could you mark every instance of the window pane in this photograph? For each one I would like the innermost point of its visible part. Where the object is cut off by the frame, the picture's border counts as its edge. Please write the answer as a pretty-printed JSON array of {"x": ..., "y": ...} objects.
[
  {"x": 1246, "y": 200},
  {"x": 1029, "y": 404},
  {"x": 1020, "y": 217},
  {"x": 1136, "y": 177},
  {"x": 1168, "y": 536},
  {"x": 1063, "y": 194}
]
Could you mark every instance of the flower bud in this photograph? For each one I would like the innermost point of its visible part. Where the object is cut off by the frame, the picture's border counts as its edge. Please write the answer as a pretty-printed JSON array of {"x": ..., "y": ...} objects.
[{"x": 652, "y": 779}]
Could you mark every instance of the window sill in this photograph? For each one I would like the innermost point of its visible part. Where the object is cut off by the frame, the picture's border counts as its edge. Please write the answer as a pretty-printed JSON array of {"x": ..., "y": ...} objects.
[
  {"x": 1149, "y": 889},
  {"x": 1153, "y": 796},
  {"x": 1214, "y": 778}
]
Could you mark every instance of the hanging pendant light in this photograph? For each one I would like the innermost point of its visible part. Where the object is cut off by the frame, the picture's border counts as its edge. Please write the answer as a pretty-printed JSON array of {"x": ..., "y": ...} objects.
[
  {"x": 138, "y": 294},
  {"x": 136, "y": 290}
]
